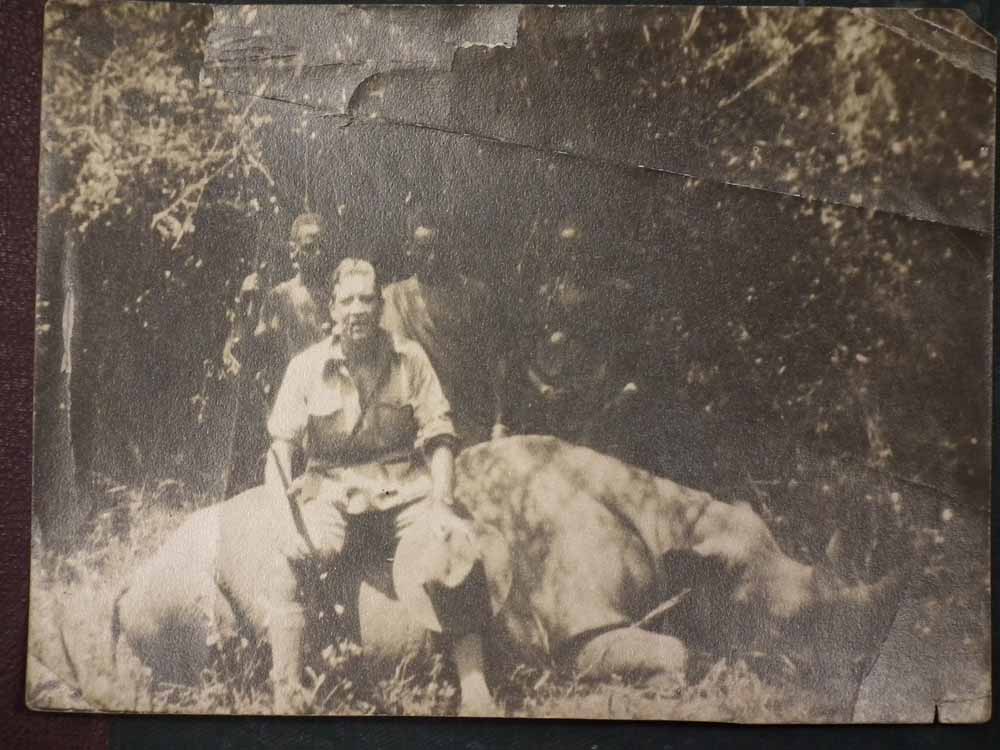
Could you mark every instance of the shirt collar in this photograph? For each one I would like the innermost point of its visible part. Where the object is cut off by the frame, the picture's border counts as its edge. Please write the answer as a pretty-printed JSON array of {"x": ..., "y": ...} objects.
[{"x": 335, "y": 358}]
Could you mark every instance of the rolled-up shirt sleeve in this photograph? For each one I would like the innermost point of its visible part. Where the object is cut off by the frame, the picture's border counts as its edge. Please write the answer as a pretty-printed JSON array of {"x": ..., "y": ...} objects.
[
  {"x": 430, "y": 407},
  {"x": 290, "y": 413}
]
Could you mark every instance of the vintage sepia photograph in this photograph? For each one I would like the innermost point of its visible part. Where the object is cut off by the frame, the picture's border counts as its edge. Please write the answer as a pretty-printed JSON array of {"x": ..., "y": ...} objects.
[{"x": 599, "y": 362}]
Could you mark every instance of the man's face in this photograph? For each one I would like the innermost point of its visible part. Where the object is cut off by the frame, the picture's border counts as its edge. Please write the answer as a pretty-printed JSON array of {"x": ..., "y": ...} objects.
[
  {"x": 355, "y": 307},
  {"x": 422, "y": 248},
  {"x": 305, "y": 243}
]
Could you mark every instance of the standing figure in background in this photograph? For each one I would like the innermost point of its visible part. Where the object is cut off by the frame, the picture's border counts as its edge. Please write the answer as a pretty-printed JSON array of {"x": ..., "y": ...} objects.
[
  {"x": 457, "y": 320},
  {"x": 573, "y": 375},
  {"x": 267, "y": 332}
]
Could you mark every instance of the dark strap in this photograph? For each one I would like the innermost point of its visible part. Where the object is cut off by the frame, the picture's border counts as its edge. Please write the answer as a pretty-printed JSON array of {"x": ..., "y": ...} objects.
[
  {"x": 293, "y": 507},
  {"x": 384, "y": 364}
]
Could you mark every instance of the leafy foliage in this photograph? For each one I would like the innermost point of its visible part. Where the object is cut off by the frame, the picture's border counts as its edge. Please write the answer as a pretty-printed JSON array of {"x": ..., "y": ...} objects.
[
  {"x": 137, "y": 156},
  {"x": 125, "y": 112}
]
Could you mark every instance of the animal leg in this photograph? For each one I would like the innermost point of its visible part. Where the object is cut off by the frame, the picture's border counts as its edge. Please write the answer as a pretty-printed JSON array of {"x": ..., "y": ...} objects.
[{"x": 634, "y": 654}]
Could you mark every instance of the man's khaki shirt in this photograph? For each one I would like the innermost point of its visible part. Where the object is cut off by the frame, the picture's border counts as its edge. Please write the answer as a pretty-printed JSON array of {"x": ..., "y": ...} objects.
[{"x": 369, "y": 450}]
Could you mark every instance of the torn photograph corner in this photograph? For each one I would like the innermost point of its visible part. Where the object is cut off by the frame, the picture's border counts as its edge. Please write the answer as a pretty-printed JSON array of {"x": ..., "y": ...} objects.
[{"x": 594, "y": 362}]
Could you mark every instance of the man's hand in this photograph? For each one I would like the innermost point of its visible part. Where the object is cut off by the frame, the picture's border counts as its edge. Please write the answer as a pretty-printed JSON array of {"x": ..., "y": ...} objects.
[
  {"x": 433, "y": 511},
  {"x": 291, "y": 544},
  {"x": 447, "y": 545},
  {"x": 277, "y": 480}
]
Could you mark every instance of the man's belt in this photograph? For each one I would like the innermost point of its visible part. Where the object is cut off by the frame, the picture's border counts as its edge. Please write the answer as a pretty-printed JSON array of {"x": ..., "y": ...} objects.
[{"x": 355, "y": 493}]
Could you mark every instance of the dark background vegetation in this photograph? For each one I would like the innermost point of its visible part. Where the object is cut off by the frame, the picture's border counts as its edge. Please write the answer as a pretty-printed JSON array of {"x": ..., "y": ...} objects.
[
  {"x": 818, "y": 290},
  {"x": 920, "y": 394}
]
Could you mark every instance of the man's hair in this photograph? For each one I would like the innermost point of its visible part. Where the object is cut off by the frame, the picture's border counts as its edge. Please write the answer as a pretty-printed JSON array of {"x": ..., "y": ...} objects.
[
  {"x": 352, "y": 267},
  {"x": 308, "y": 218}
]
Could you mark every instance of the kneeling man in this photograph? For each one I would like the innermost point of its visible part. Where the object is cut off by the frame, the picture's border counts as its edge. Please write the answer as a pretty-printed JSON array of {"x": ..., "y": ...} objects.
[{"x": 368, "y": 413}]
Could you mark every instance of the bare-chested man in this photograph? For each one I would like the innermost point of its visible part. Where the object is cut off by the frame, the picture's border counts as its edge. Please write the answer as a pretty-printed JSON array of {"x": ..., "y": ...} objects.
[{"x": 267, "y": 333}]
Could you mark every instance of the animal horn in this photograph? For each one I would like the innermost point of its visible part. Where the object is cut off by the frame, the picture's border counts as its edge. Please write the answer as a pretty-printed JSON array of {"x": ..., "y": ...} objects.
[
  {"x": 882, "y": 592},
  {"x": 835, "y": 589}
]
